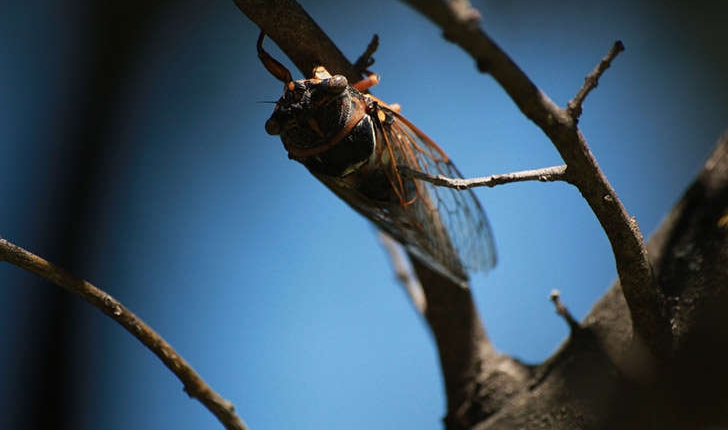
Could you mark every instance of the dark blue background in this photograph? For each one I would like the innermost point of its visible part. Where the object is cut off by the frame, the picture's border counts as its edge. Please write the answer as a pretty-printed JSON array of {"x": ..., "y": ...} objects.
[{"x": 132, "y": 151}]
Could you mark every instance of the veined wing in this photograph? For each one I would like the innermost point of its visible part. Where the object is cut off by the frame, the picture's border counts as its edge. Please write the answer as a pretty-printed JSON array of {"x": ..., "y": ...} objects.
[
  {"x": 445, "y": 228},
  {"x": 465, "y": 227}
]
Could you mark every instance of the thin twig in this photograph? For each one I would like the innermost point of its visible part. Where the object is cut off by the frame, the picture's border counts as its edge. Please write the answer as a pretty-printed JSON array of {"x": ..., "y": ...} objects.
[
  {"x": 639, "y": 285},
  {"x": 574, "y": 107},
  {"x": 555, "y": 297},
  {"x": 404, "y": 273},
  {"x": 366, "y": 60},
  {"x": 194, "y": 385},
  {"x": 546, "y": 174}
]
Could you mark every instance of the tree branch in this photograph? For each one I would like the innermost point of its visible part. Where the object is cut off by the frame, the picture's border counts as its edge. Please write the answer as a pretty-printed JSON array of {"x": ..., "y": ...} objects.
[
  {"x": 635, "y": 273},
  {"x": 546, "y": 174},
  {"x": 479, "y": 381},
  {"x": 588, "y": 382},
  {"x": 296, "y": 33},
  {"x": 194, "y": 385},
  {"x": 366, "y": 60}
]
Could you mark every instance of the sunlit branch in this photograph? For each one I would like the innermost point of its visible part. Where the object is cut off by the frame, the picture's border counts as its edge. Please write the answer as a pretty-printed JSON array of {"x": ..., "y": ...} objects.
[{"x": 547, "y": 174}]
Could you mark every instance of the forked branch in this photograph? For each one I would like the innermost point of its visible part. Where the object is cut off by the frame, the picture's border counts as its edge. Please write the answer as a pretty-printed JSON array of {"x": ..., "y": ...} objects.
[
  {"x": 307, "y": 45},
  {"x": 635, "y": 273}
]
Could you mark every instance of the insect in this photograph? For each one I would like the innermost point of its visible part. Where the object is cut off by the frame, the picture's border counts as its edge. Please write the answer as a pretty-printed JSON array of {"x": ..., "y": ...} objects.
[{"x": 355, "y": 144}]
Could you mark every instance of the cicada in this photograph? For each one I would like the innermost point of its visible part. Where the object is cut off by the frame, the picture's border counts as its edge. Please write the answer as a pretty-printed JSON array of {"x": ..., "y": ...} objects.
[{"x": 356, "y": 145}]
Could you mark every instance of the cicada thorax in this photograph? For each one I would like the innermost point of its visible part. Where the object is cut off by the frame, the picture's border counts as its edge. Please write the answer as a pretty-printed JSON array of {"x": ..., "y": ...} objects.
[
  {"x": 324, "y": 124},
  {"x": 340, "y": 135}
]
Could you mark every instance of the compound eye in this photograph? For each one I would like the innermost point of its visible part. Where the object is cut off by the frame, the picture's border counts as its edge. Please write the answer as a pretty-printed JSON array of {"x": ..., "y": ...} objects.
[
  {"x": 336, "y": 84},
  {"x": 272, "y": 127}
]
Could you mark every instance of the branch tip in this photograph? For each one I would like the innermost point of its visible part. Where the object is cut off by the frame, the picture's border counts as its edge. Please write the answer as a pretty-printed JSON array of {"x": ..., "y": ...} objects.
[
  {"x": 555, "y": 297},
  {"x": 574, "y": 107},
  {"x": 366, "y": 60}
]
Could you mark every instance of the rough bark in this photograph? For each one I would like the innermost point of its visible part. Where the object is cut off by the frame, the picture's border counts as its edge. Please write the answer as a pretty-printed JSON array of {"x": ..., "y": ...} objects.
[{"x": 600, "y": 379}]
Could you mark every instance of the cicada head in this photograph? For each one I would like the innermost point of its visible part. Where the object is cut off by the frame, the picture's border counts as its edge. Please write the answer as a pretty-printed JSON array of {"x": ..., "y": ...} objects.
[{"x": 313, "y": 114}]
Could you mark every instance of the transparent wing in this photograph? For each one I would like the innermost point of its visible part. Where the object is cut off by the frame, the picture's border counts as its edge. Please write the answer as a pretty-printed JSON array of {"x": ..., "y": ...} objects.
[
  {"x": 462, "y": 235},
  {"x": 445, "y": 228}
]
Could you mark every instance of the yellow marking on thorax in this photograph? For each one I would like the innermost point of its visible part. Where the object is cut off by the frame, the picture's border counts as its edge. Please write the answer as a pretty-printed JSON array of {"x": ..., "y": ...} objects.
[{"x": 723, "y": 220}]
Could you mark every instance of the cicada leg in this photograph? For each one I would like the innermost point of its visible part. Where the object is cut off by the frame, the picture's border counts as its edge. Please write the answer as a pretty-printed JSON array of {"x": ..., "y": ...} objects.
[{"x": 371, "y": 80}]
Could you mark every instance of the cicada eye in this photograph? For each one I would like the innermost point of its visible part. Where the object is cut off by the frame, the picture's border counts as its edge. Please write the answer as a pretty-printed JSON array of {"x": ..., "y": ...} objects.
[
  {"x": 336, "y": 84},
  {"x": 272, "y": 127}
]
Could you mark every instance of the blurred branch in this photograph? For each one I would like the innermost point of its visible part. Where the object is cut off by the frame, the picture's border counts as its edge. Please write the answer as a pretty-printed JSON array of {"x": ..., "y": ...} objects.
[
  {"x": 555, "y": 297},
  {"x": 194, "y": 385},
  {"x": 404, "y": 273},
  {"x": 460, "y": 26},
  {"x": 546, "y": 174},
  {"x": 366, "y": 60}
]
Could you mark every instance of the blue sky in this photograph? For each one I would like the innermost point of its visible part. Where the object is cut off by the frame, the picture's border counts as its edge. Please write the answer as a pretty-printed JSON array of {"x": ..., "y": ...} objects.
[{"x": 276, "y": 292}]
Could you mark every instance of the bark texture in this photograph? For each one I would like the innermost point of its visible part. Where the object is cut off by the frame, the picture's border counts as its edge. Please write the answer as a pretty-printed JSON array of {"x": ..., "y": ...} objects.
[{"x": 601, "y": 379}]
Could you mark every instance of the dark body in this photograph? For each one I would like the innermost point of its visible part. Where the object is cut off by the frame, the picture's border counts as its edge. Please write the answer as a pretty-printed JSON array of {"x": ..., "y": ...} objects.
[{"x": 355, "y": 144}]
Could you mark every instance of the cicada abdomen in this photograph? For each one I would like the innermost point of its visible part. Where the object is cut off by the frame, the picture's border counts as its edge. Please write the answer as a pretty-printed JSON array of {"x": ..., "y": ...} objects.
[{"x": 355, "y": 144}]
